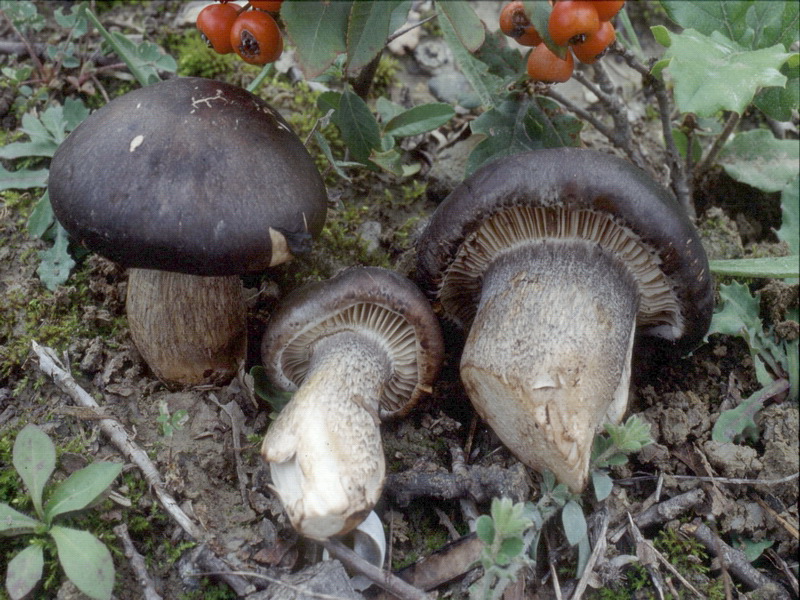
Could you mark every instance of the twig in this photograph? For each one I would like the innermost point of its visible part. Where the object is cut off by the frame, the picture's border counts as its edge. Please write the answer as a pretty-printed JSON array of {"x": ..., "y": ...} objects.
[
  {"x": 663, "y": 511},
  {"x": 726, "y": 480},
  {"x": 639, "y": 538},
  {"x": 51, "y": 365},
  {"x": 210, "y": 562},
  {"x": 710, "y": 158},
  {"x": 241, "y": 475},
  {"x": 735, "y": 559},
  {"x": 599, "y": 548},
  {"x": 405, "y": 30},
  {"x": 609, "y": 133},
  {"x": 678, "y": 177},
  {"x": 137, "y": 563},
  {"x": 387, "y": 581}
]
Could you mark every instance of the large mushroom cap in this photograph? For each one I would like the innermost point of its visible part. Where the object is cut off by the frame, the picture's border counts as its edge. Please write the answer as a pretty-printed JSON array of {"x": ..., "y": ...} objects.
[
  {"x": 378, "y": 303},
  {"x": 189, "y": 175},
  {"x": 568, "y": 194}
]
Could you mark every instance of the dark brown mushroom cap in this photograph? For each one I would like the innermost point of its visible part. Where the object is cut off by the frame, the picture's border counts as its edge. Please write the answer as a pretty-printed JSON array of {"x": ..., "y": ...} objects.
[
  {"x": 187, "y": 175},
  {"x": 607, "y": 191},
  {"x": 376, "y": 302}
]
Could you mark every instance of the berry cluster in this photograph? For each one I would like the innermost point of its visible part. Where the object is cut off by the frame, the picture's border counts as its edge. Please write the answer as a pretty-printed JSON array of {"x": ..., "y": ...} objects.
[
  {"x": 252, "y": 34},
  {"x": 582, "y": 27}
]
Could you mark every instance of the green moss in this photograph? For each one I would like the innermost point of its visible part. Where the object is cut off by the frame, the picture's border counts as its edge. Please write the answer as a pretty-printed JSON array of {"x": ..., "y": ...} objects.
[
  {"x": 196, "y": 59},
  {"x": 385, "y": 76}
]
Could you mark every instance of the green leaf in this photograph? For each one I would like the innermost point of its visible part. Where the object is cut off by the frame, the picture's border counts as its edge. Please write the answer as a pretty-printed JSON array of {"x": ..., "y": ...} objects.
[
  {"x": 739, "y": 312},
  {"x": 713, "y": 73},
  {"x": 81, "y": 489},
  {"x": 602, "y": 484},
  {"x": 317, "y": 30},
  {"x": 41, "y": 216},
  {"x": 34, "y": 458},
  {"x": 266, "y": 390},
  {"x": 630, "y": 436},
  {"x": 367, "y": 31},
  {"x": 737, "y": 421},
  {"x": 486, "y": 85},
  {"x": 357, "y": 125},
  {"x": 24, "y": 572},
  {"x": 774, "y": 267},
  {"x": 86, "y": 561},
  {"x": 23, "y": 179},
  {"x": 484, "y": 529},
  {"x": 13, "y": 522},
  {"x": 56, "y": 262},
  {"x": 790, "y": 219},
  {"x": 661, "y": 34},
  {"x": 464, "y": 22},
  {"x": 759, "y": 159},
  {"x": 752, "y": 549},
  {"x": 510, "y": 548},
  {"x": 574, "y": 522},
  {"x": 726, "y": 16},
  {"x": 513, "y": 127},
  {"x": 420, "y": 119}
]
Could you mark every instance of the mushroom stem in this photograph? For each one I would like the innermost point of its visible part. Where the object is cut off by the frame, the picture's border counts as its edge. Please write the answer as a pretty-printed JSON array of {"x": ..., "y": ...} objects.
[
  {"x": 542, "y": 362},
  {"x": 324, "y": 449},
  {"x": 189, "y": 329}
]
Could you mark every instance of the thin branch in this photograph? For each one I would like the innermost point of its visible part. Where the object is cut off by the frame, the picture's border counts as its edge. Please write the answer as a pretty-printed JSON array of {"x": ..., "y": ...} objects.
[
  {"x": 710, "y": 158},
  {"x": 678, "y": 177},
  {"x": 735, "y": 560},
  {"x": 391, "y": 583},
  {"x": 51, "y": 365},
  {"x": 137, "y": 564}
]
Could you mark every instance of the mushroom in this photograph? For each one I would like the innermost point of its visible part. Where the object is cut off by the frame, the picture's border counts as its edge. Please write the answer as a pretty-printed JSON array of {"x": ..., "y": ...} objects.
[
  {"x": 554, "y": 259},
  {"x": 190, "y": 183},
  {"x": 356, "y": 349}
]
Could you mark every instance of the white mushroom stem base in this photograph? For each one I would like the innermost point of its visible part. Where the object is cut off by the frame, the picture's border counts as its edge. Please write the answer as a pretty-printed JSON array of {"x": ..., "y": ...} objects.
[
  {"x": 189, "y": 329},
  {"x": 324, "y": 449},
  {"x": 547, "y": 359}
]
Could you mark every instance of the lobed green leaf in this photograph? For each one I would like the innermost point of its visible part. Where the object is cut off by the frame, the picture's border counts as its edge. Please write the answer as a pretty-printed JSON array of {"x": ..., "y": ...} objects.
[{"x": 761, "y": 160}]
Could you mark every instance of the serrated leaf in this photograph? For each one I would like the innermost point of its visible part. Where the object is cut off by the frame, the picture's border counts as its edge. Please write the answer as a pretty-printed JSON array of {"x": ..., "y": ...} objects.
[
  {"x": 574, "y": 522},
  {"x": 357, "y": 125},
  {"x": 774, "y": 267},
  {"x": 761, "y": 160},
  {"x": 602, "y": 484},
  {"x": 789, "y": 231},
  {"x": 34, "y": 458},
  {"x": 739, "y": 313},
  {"x": 24, "y": 572},
  {"x": 86, "y": 561},
  {"x": 80, "y": 489},
  {"x": 55, "y": 263},
  {"x": 465, "y": 23},
  {"x": 23, "y": 179},
  {"x": 713, "y": 73},
  {"x": 317, "y": 30},
  {"x": 13, "y": 522},
  {"x": 367, "y": 30},
  {"x": 420, "y": 119},
  {"x": 734, "y": 422}
]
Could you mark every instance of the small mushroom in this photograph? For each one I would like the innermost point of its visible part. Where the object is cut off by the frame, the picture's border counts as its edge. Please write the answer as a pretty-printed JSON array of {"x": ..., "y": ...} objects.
[
  {"x": 356, "y": 349},
  {"x": 189, "y": 182},
  {"x": 554, "y": 259}
]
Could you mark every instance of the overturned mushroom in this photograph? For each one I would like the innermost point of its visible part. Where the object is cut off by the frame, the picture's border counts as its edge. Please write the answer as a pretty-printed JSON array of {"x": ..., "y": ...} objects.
[
  {"x": 189, "y": 182},
  {"x": 554, "y": 259},
  {"x": 358, "y": 348}
]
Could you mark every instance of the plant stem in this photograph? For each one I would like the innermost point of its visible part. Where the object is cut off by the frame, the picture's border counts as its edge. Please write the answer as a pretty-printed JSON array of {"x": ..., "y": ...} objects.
[{"x": 710, "y": 158}]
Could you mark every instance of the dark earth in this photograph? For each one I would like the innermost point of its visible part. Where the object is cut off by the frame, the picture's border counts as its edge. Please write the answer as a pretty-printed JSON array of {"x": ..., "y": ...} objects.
[{"x": 442, "y": 460}]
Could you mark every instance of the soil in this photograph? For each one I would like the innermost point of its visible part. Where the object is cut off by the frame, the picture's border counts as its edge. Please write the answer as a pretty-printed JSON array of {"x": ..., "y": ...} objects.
[{"x": 223, "y": 485}]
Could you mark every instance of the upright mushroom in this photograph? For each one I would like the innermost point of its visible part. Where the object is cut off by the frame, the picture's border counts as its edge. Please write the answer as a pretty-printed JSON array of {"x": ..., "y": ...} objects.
[
  {"x": 355, "y": 349},
  {"x": 554, "y": 259},
  {"x": 189, "y": 182}
]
